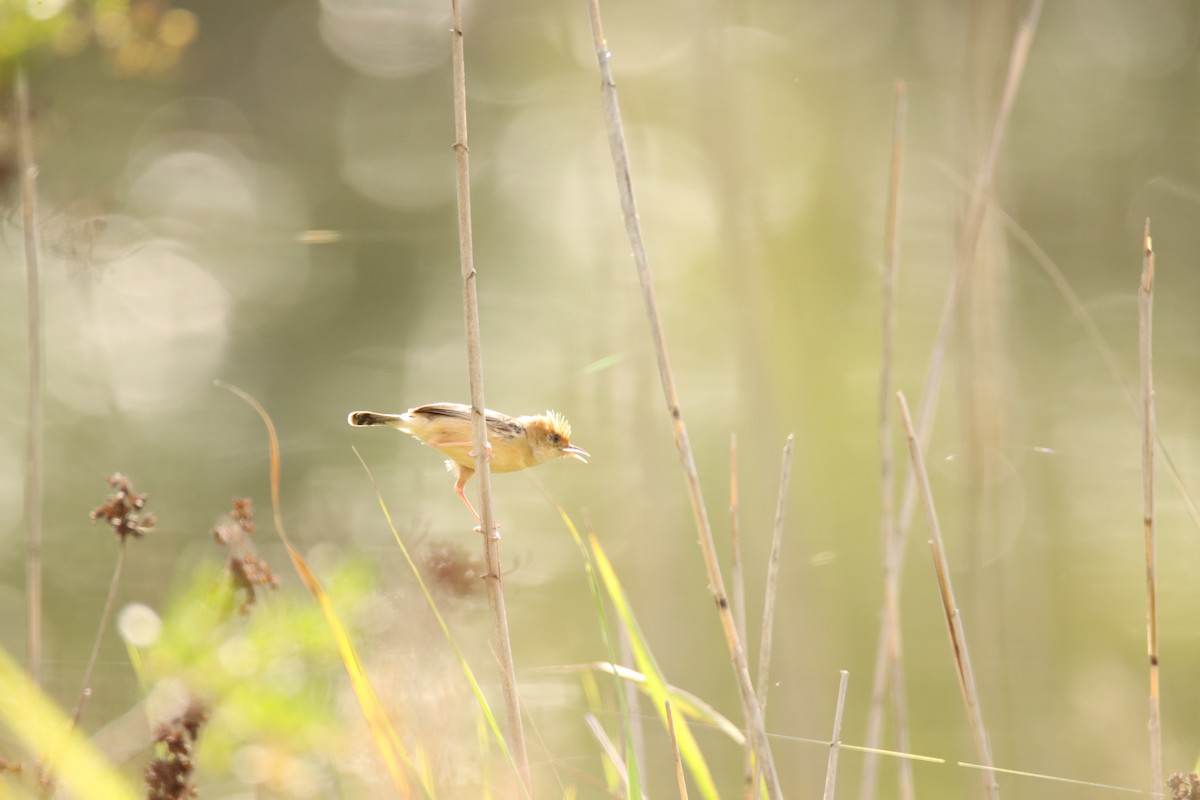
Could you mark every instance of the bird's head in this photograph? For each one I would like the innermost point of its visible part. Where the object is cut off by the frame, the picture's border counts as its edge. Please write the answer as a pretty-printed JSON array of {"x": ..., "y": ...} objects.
[{"x": 550, "y": 437}]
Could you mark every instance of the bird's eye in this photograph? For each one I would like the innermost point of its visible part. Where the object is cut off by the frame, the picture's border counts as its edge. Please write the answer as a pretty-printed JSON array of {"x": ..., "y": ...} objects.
[{"x": 555, "y": 439}]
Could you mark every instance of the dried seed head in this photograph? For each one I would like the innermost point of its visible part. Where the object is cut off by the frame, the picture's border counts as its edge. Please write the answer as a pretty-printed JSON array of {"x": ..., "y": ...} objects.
[{"x": 123, "y": 509}]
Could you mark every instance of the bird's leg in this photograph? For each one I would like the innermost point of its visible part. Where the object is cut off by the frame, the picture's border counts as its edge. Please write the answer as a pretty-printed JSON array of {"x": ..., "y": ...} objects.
[{"x": 464, "y": 475}]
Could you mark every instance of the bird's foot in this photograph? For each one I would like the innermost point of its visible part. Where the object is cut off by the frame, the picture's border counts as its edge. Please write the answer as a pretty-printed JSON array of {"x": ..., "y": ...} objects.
[{"x": 490, "y": 454}]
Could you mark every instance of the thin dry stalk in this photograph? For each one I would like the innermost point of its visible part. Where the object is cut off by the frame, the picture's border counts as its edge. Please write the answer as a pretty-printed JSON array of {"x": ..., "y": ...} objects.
[
  {"x": 86, "y": 694},
  {"x": 766, "y": 637},
  {"x": 973, "y": 225},
  {"x": 958, "y": 641},
  {"x": 889, "y": 662},
  {"x": 616, "y": 139},
  {"x": 35, "y": 476},
  {"x": 1145, "y": 331},
  {"x": 738, "y": 584},
  {"x": 966, "y": 256},
  {"x": 610, "y": 750},
  {"x": 491, "y": 534},
  {"x": 633, "y": 714},
  {"x": 835, "y": 742},
  {"x": 736, "y": 572},
  {"x": 908, "y": 790},
  {"x": 1047, "y": 265},
  {"x": 772, "y": 590},
  {"x": 679, "y": 777}
]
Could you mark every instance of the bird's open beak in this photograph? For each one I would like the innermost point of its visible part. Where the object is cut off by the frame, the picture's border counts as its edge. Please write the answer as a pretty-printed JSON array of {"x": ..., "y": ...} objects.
[{"x": 576, "y": 452}]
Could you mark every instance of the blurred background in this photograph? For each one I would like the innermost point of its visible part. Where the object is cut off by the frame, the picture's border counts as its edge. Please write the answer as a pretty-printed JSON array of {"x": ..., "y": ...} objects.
[{"x": 263, "y": 193}]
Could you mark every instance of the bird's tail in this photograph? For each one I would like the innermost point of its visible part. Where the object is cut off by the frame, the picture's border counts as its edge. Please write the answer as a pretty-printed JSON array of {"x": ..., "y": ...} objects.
[{"x": 364, "y": 419}]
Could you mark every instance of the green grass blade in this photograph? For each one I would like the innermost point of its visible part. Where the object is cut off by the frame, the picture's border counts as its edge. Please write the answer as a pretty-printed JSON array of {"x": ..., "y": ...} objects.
[
  {"x": 634, "y": 782},
  {"x": 656, "y": 686}
]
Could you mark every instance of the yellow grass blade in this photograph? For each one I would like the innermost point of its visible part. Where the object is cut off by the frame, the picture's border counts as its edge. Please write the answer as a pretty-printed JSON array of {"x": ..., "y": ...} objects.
[
  {"x": 682, "y": 700},
  {"x": 43, "y": 728},
  {"x": 395, "y": 756},
  {"x": 482, "y": 735},
  {"x": 391, "y": 749}
]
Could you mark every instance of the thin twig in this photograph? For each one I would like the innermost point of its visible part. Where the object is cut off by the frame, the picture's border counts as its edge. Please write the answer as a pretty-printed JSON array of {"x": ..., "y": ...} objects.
[
  {"x": 491, "y": 535},
  {"x": 738, "y": 584},
  {"x": 958, "y": 641},
  {"x": 105, "y": 616},
  {"x": 620, "y": 155},
  {"x": 835, "y": 741},
  {"x": 889, "y": 662},
  {"x": 772, "y": 590},
  {"x": 1145, "y": 336},
  {"x": 679, "y": 777},
  {"x": 35, "y": 413}
]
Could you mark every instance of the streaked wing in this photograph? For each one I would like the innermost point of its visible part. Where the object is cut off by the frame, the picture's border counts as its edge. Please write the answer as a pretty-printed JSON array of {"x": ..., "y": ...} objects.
[
  {"x": 498, "y": 424},
  {"x": 454, "y": 410},
  {"x": 504, "y": 425}
]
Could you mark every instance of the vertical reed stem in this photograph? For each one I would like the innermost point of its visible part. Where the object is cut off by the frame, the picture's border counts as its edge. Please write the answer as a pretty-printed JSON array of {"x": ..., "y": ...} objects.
[
  {"x": 737, "y": 579},
  {"x": 1145, "y": 336},
  {"x": 772, "y": 587},
  {"x": 680, "y": 780},
  {"x": 972, "y": 226},
  {"x": 620, "y": 155},
  {"x": 958, "y": 639},
  {"x": 889, "y": 664},
  {"x": 35, "y": 433},
  {"x": 491, "y": 535},
  {"x": 835, "y": 743}
]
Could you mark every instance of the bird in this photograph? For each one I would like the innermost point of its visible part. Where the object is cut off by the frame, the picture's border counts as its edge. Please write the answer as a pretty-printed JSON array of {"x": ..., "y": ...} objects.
[{"x": 513, "y": 443}]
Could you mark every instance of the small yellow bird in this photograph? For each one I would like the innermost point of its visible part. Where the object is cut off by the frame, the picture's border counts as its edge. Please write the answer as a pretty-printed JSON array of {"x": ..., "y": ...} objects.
[{"x": 514, "y": 443}]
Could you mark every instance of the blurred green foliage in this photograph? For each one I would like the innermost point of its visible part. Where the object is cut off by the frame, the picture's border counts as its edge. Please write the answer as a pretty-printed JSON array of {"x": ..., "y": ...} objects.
[
  {"x": 136, "y": 36},
  {"x": 269, "y": 677}
]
